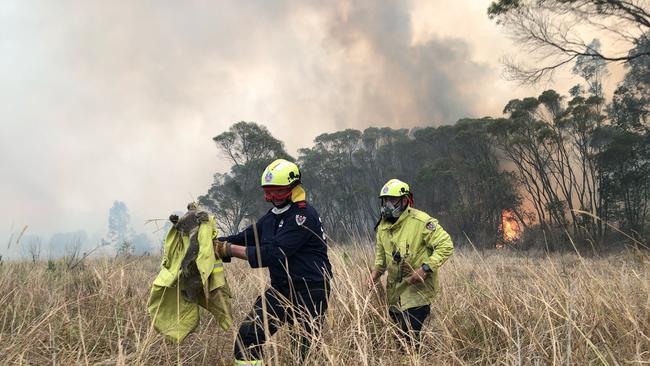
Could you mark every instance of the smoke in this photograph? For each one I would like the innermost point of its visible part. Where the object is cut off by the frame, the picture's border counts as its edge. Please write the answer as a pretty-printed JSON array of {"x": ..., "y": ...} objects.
[
  {"x": 107, "y": 101},
  {"x": 400, "y": 82}
]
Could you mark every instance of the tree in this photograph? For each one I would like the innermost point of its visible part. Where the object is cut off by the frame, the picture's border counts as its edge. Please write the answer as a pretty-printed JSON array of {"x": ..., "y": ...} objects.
[
  {"x": 625, "y": 163},
  {"x": 551, "y": 32},
  {"x": 62, "y": 244},
  {"x": 530, "y": 144},
  {"x": 624, "y": 158},
  {"x": 344, "y": 171},
  {"x": 630, "y": 108},
  {"x": 453, "y": 171},
  {"x": 34, "y": 248},
  {"x": 119, "y": 226},
  {"x": 460, "y": 179},
  {"x": 235, "y": 197}
]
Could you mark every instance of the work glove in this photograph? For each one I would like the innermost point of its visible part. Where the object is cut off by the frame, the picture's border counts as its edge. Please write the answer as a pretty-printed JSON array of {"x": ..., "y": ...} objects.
[
  {"x": 418, "y": 276},
  {"x": 405, "y": 268},
  {"x": 173, "y": 218},
  {"x": 222, "y": 249}
]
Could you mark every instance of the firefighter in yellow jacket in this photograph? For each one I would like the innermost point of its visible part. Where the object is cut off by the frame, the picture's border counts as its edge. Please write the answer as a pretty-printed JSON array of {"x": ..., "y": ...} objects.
[{"x": 410, "y": 248}]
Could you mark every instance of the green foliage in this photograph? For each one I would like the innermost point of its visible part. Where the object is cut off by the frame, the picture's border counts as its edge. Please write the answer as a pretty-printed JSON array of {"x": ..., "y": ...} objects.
[
  {"x": 548, "y": 142},
  {"x": 119, "y": 220},
  {"x": 577, "y": 153},
  {"x": 119, "y": 228},
  {"x": 551, "y": 33},
  {"x": 630, "y": 108},
  {"x": 549, "y": 158},
  {"x": 591, "y": 68},
  {"x": 51, "y": 265},
  {"x": 453, "y": 172},
  {"x": 235, "y": 196},
  {"x": 625, "y": 155},
  {"x": 125, "y": 248},
  {"x": 502, "y": 7}
]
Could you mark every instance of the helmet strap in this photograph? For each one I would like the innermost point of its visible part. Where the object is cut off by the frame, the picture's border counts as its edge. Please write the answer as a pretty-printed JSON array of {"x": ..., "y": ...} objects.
[
  {"x": 409, "y": 200},
  {"x": 399, "y": 208}
]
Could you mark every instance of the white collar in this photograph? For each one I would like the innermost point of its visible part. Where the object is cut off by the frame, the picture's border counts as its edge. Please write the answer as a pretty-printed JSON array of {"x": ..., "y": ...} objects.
[{"x": 278, "y": 211}]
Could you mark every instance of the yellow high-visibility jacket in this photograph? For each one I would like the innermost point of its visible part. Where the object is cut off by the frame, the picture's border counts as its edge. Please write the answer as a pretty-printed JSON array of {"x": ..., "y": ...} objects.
[
  {"x": 171, "y": 314},
  {"x": 418, "y": 239}
]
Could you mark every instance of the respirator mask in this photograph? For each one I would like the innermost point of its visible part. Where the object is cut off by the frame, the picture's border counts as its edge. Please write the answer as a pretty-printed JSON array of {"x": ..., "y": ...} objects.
[{"x": 392, "y": 211}]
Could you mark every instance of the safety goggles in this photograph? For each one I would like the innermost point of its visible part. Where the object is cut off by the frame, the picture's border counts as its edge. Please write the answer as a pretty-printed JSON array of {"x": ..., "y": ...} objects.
[
  {"x": 392, "y": 202},
  {"x": 277, "y": 193}
]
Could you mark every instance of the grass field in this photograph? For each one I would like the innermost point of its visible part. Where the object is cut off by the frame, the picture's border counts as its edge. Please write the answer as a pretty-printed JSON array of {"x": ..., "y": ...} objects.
[{"x": 495, "y": 308}]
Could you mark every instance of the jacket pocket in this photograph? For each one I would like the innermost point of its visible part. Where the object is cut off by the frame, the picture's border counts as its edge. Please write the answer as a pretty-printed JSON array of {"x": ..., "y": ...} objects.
[{"x": 165, "y": 278}]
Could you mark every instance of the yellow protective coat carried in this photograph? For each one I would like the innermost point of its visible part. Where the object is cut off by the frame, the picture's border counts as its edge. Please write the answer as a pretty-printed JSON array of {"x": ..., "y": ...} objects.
[
  {"x": 171, "y": 313},
  {"x": 418, "y": 239}
]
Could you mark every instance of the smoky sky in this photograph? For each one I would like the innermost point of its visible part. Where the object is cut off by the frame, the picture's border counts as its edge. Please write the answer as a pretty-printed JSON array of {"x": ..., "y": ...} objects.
[{"x": 104, "y": 101}]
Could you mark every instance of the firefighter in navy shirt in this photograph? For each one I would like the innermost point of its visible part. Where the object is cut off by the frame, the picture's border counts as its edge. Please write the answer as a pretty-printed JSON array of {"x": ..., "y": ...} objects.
[{"x": 291, "y": 243}]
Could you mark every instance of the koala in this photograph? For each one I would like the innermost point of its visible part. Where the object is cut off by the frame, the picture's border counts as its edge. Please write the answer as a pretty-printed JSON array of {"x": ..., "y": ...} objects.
[{"x": 188, "y": 224}]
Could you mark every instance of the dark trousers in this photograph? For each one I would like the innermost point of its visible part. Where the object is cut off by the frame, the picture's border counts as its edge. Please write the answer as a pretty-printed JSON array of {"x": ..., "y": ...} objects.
[
  {"x": 410, "y": 323},
  {"x": 303, "y": 305}
]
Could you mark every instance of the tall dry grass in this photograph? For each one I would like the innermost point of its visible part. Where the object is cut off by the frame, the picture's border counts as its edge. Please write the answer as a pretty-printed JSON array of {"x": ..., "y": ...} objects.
[{"x": 495, "y": 308}]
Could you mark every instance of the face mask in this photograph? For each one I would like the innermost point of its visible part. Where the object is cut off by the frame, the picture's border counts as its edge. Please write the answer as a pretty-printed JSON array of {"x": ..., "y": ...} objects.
[
  {"x": 278, "y": 196},
  {"x": 276, "y": 193},
  {"x": 390, "y": 211}
]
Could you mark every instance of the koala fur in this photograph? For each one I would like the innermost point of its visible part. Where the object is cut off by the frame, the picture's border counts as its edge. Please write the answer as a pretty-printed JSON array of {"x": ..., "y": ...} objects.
[{"x": 188, "y": 224}]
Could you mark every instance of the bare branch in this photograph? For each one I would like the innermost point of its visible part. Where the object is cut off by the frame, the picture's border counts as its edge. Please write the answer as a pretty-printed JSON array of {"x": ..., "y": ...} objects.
[{"x": 549, "y": 31}]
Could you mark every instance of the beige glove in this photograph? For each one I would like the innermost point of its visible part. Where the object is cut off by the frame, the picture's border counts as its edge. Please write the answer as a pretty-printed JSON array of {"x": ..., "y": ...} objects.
[{"x": 222, "y": 249}]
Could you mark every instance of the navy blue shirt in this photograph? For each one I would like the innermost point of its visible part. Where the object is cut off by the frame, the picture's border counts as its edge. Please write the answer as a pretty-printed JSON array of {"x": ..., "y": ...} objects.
[{"x": 292, "y": 245}]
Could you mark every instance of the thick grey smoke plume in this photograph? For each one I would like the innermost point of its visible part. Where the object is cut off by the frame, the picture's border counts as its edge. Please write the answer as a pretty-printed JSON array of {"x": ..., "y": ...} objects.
[
  {"x": 400, "y": 82},
  {"x": 105, "y": 101}
]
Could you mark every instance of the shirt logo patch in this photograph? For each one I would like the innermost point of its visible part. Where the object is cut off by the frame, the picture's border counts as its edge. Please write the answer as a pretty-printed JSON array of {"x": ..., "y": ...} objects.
[
  {"x": 300, "y": 219},
  {"x": 431, "y": 226},
  {"x": 281, "y": 223}
]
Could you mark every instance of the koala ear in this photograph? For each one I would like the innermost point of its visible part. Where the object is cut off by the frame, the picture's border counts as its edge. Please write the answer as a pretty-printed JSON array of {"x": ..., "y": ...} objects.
[{"x": 202, "y": 216}]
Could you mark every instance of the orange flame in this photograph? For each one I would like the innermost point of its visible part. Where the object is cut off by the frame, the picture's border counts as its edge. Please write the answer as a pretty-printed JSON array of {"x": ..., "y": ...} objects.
[{"x": 510, "y": 226}]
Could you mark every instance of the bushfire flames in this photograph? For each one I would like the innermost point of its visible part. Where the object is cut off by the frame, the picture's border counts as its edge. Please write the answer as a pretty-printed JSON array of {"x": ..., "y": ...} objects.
[{"x": 510, "y": 226}]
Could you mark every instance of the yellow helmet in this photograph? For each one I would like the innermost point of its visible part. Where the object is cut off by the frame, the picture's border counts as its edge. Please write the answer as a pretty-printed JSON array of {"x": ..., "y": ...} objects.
[
  {"x": 395, "y": 188},
  {"x": 281, "y": 173}
]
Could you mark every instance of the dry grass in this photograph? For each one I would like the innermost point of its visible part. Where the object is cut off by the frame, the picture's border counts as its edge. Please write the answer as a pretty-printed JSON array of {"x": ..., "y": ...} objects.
[{"x": 495, "y": 308}]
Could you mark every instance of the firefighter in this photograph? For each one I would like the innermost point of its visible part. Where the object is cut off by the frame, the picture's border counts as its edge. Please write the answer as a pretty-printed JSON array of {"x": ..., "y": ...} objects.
[
  {"x": 410, "y": 247},
  {"x": 290, "y": 241}
]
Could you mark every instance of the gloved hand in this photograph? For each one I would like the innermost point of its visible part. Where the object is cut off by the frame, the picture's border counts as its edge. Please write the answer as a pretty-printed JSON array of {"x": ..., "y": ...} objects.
[
  {"x": 418, "y": 276},
  {"x": 373, "y": 279},
  {"x": 222, "y": 249},
  {"x": 173, "y": 218},
  {"x": 405, "y": 268}
]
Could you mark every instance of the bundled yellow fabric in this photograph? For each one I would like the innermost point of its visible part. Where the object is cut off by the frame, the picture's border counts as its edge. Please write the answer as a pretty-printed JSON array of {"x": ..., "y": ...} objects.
[{"x": 190, "y": 275}]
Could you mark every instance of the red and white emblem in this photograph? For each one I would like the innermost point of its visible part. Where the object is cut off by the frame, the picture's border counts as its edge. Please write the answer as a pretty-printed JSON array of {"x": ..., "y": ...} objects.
[{"x": 300, "y": 219}]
